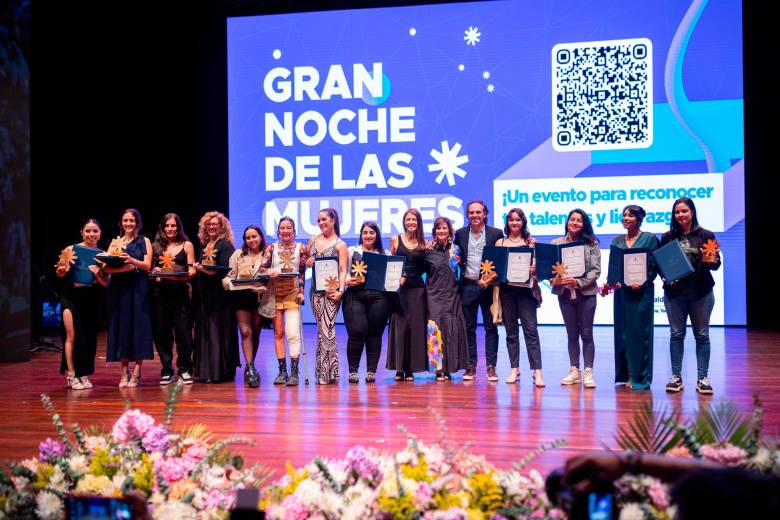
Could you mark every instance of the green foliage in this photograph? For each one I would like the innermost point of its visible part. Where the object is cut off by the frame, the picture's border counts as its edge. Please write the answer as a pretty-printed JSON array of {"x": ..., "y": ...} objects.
[
  {"x": 720, "y": 423},
  {"x": 530, "y": 457},
  {"x": 649, "y": 430},
  {"x": 170, "y": 403}
]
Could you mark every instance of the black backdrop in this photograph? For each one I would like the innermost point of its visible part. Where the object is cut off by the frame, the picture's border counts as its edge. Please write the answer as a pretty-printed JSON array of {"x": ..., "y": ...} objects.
[{"x": 128, "y": 109}]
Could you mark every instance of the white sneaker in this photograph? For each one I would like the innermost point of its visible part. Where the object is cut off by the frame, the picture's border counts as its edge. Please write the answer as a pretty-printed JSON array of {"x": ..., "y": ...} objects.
[
  {"x": 589, "y": 382},
  {"x": 572, "y": 378}
]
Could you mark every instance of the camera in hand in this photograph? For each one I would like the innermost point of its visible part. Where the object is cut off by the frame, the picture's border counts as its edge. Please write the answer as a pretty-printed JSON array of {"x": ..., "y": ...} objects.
[
  {"x": 98, "y": 508},
  {"x": 595, "y": 502}
]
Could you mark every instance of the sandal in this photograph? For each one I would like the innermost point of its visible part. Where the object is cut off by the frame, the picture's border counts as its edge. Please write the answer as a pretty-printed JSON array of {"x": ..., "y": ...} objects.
[
  {"x": 370, "y": 377},
  {"x": 354, "y": 378},
  {"x": 135, "y": 380},
  {"x": 124, "y": 380},
  {"x": 399, "y": 376}
]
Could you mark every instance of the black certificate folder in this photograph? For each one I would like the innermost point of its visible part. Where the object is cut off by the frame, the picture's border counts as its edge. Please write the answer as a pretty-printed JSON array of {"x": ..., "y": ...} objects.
[
  {"x": 672, "y": 261},
  {"x": 376, "y": 271}
]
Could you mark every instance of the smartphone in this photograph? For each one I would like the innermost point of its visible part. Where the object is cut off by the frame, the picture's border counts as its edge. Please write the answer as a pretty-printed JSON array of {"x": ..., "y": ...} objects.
[
  {"x": 600, "y": 506},
  {"x": 98, "y": 508}
]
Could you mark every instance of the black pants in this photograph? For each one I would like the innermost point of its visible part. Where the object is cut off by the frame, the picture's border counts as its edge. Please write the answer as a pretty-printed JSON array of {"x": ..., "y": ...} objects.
[
  {"x": 171, "y": 319},
  {"x": 365, "y": 315},
  {"x": 473, "y": 298},
  {"x": 520, "y": 303}
]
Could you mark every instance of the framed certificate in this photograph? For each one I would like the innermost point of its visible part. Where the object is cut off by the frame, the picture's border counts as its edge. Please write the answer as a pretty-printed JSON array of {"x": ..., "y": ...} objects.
[
  {"x": 84, "y": 257},
  {"x": 672, "y": 261},
  {"x": 571, "y": 255},
  {"x": 627, "y": 266},
  {"x": 170, "y": 275},
  {"x": 518, "y": 264},
  {"x": 384, "y": 272},
  {"x": 326, "y": 274}
]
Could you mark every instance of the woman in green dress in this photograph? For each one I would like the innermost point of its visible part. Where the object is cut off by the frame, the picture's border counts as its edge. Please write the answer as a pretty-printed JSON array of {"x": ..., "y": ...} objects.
[{"x": 633, "y": 309}]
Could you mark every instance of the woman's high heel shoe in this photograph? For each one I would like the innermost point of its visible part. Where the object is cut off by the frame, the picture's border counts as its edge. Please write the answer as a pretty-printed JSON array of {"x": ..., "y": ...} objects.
[
  {"x": 125, "y": 379},
  {"x": 538, "y": 381},
  {"x": 513, "y": 375},
  {"x": 135, "y": 380}
]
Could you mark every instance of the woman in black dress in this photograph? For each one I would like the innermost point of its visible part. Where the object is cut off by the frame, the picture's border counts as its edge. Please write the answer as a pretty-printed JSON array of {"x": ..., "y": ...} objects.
[
  {"x": 130, "y": 323},
  {"x": 252, "y": 314},
  {"x": 406, "y": 349},
  {"x": 445, "y": 312},
  {"x": 80, "y": 304},
  {"x": 365, "y": 310},
  {"x": 216, "y": 342},
  {"x": 173, "y": 252}
]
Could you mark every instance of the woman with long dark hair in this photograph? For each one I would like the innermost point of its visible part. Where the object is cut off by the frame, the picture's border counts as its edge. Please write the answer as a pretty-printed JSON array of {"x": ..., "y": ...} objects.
[
  {"x": 326, "y": 305},
  {"x": 519, "y": 301},
  {"x": 577, "y": 299},
  {"x": 690, "y": 297},
  {"x": 173, "y": 252},
  {"x": 407, "y": 350},
  {"x": 130, "y": 324},
  {"x": 633, "y": 308},
  {"x": 448, "y": 349},
  {"x": 365, "y": 311},
  {"x": 286, "y": 295},
  {"x": 252, "y": 314},
  {"x": 216, "y": 342},
  {"x": 80, "y": 305}
]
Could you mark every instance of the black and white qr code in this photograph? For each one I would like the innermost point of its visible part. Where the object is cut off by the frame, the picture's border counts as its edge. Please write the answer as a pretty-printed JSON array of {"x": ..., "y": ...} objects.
[{"x": 602, "y": 95}]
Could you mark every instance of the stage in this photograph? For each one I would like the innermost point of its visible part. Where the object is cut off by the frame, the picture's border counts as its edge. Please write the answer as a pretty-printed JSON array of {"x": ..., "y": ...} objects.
[{"x": 499, "y": 420}]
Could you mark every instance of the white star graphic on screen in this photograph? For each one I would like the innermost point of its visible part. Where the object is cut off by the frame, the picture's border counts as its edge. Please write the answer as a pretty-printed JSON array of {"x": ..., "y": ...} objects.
[
  {"x": 486, "y": 75},
  {"x": 472, "y": 35},
  {"x": 448, "y": 163},
  {"x": 491, "y": 88}
]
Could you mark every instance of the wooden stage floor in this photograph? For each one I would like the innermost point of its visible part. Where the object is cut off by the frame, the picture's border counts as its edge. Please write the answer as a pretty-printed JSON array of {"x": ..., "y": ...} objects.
[{"x": 502, "y": 421}]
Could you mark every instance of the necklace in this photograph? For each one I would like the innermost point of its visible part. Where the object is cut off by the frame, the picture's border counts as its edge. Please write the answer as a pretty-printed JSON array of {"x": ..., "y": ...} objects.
[{"x": 510, "y": 239}]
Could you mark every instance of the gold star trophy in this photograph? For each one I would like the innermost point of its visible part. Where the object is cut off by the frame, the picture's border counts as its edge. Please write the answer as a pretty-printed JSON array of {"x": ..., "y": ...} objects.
[
  {"x": 166, "y": 262},
  {"x": 287, "y": 256},
  {"x": 488, "y": 270},
  {"x": 560, "y": 272},
  {"x": 209, "y": 255},
  {"x": 117, "y": 247},
  {"x": 359, "y": 270},
  {"x": 331, "y": 284},
  {"x": 67, "y": 258},
  {"x": 710, "y": 251}
]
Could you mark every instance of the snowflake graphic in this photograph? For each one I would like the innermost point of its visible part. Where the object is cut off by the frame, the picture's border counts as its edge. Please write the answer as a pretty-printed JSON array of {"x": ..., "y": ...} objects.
[
  {"x": 491, "y": 88},
  {"x": 486, "y": 75},
  {"x": 472, "y": 35},
  {"x": 448, "y": 163}
]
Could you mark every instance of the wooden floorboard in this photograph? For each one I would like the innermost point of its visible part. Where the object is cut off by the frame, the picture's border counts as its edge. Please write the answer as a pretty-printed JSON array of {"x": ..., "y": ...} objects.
[{"x": 502, "y": 421}]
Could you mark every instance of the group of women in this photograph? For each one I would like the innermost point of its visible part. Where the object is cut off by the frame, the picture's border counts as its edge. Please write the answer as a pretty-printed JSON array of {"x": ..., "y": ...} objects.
[{"x": 224, "y": 289}]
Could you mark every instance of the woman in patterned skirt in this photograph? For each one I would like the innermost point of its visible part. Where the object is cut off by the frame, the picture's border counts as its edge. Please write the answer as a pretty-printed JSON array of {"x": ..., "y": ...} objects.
[{"x": 325, "y": 305}]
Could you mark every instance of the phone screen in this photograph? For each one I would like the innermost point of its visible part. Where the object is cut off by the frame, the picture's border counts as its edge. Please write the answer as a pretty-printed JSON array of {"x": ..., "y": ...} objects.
[
  {"x": 98, "y": 508},
  {"x": 600, "y": 506}
]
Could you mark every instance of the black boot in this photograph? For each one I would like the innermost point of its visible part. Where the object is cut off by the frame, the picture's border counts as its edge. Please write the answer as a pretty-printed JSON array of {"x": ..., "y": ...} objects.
[
  {"x": 293, "y": 381},
  {"x": 251, "y": 376},
  {"x": 282, "y": 377}
]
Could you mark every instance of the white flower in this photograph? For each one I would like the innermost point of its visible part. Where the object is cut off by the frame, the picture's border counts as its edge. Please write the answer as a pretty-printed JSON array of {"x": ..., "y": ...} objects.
[
  {"x": 389, "y": 485},
  {"x": 309, "y": 492},
  {"x": 516, "y": 485},
  {"x": 409, "y": 485},
  {"x": 57, "y": 480},
  {"x": 632, "y": 511},
  {"x": 48, "y": 506},
  {"x": 215, "y": 475},
  {"x": 174, "y": 510},
  {"x": 78, "y": 464},
  {"x": 31, "y": 464},
  {"x": 404, "y": 457}
]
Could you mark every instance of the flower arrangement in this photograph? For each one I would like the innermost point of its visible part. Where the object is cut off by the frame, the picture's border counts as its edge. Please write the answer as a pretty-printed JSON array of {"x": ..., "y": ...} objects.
[
  {"x": 182, "y": 474},
  {"x": 435, "y": 344},
  {"x": 718, "y": 433},
  {"x": 428, "y": 481}
]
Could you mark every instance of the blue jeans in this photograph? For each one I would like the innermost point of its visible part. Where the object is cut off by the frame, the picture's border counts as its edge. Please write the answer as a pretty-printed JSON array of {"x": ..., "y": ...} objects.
[
  {"x": 473, "y": 298},
  {"x": 678, "y": 308}
]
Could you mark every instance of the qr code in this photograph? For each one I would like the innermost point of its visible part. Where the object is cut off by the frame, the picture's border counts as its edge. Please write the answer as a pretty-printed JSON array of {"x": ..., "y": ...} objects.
[{"x": 602, "y": 95}]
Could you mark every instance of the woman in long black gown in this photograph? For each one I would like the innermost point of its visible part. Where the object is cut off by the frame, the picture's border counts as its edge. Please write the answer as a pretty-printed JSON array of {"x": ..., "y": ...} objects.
[
  {"x": 445, "y": 312},
  {"x": 216, "y": 341},
  {"x": 406, "y": 348}
]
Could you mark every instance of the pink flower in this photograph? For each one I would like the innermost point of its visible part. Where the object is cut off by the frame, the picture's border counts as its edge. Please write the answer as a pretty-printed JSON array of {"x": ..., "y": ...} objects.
[
  {"x": 49, "y": 450},
  {"x": 172, "y": 469},
  {"x": 216, "y": 499},
  {"x": 292, "y": 509},
  {"x": 156, "y": 439},
  {"x": 423, "y": 495},
  {"x": 362, "y": 463},
  {"x": 680, "y": 451},
  {"x": 728, "y": 454},
  {"x": 658, "y": 496},
  {"x": 132, "y": 424}
]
